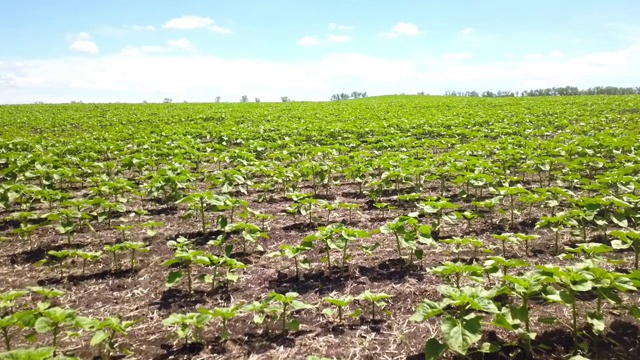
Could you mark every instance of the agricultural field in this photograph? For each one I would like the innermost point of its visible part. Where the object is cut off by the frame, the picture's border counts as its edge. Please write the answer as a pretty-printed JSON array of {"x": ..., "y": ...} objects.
[{"x": 401, "y": 227}]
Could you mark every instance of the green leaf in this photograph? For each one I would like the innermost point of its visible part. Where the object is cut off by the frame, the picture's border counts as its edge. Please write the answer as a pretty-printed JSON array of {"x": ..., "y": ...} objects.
[
  {"x": 596, "y": 320},
  {"x": 433, "y": 349},
  {"x": 578, "y": 357},
  {"x": 99, "y": 337},
  {"x": 42, "y": 353},
  {"x": 43, "y": 325},
  {"x": 460, "y": 335},
  {"x": 356, "y": 313},
  {"x": 488, "y": 348},
  {"x": 549, "y": 320},
  {"x": 427, "y": 309},
  {"x": 31, "y": 337},
  {"x": 174, "y": 277},
  {"x": 619, "y": 219},
  {"x": 294, "y": 325},
  {"x": 329, "y": 311}
]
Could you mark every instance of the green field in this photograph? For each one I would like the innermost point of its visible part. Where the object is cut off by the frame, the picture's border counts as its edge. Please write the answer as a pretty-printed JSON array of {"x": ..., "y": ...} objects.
[{"x": 377, "y": 228}]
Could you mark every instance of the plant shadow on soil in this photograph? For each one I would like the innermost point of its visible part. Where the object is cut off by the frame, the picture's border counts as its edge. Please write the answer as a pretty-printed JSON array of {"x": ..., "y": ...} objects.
[
  {"x": 259, "y": 343},
  {"x": 318, "y": 281},
  {"x": 163, "y": 210},
  {"x": 301, "y": 227},
  {"x": 214, "y": 346},
  {"x": 621, "y": 339},
  {"x": 199, "y": 238},
  {"x": 179, "y": 299},
  {"x": 12, "y": 224},
  {"x": 102, "y": 275},
  {"x": 394, "y": 270},
  {"x": 40, "y": 252},
  {"x": 112, "y": 357},
  {"x": 180, "y": 352}
]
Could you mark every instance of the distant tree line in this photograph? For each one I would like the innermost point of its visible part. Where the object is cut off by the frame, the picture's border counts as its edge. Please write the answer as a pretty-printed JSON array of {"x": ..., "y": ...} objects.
[
  {"x": 554, "y": 91},
  {"x": 345, "y": 96}
]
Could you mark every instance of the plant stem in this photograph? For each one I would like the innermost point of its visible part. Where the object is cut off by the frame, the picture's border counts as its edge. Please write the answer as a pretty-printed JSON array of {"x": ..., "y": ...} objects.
[
  {"x": 525, "y": 305},
  {"x": 344, "y": 258},
  {"x": 511, "y": 208},
  {"x": 133, "y": 257},
  {"x": 284, "y": 317},
  {"x": 398, "y": 245},
  {"x": 7, "y": 338},
  {"x": 373, "y": 310},
  {"x": 213, "y": 279},
  {"x": 55, "y": 337},
  {"x": 574, "y": 315},
  {"x": 328, "y": 252},
  {"x": 189, "y": 279},
  {"x": 203, "y": 220}
]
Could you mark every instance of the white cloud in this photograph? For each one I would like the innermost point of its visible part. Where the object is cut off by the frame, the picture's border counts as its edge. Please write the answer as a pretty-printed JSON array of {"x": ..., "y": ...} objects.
[
  {"x": 83, "y": 36},
  {"x": 81, "y": 42},
  {"x": 467, "y": 31},
  {"x": 316, "y": 40},
  {"x": 534, "y": 56},
  {"x": 221, "y": 30},
  {"x": 195, "y": 77},
  {"x": 309, "y": 41},
  {"x": 556, "y": 54},
  {"x": 141, "y": 27},
  {"x": 143, "y": 50},
  {"x": 172, "y": 45},
  {"x": 338, "y": 38},
  {"x": 183, "y": 44},
  {"x": 190, "y": 22},
  {"x": 403, "y": 29},
  {"x": 458, "y": 56},
  {"x": 339, "y": 27}
]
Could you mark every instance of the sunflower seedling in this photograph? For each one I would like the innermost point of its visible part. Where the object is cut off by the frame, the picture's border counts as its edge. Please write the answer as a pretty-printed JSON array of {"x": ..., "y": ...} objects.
[
  {"x": 341, "y": 304},
  {"x": 376, "y": 300},
  {"x": 188, "y": 326},
  {"x": 225, "y": 315},
  {"x": 107, "y": 334},
  {"x": 287, "y": 304},
  {"x": 53, "y": 320},
  {"x": 294, "y": 252}
]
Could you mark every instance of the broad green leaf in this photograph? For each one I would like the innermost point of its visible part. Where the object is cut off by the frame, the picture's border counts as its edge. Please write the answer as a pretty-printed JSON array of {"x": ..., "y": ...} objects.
[
  {"x": 174, "y": 277},
  {"x": 434, "y": 350},
  {"x": 460, "y": 335},
  {"x": 99, "y": 337}
]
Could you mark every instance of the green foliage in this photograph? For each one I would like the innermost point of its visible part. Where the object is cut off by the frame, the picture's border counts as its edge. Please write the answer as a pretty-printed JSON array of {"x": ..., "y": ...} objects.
[
  {"x": 187, "y": 326},
  {"x": 284, "y": 305}
]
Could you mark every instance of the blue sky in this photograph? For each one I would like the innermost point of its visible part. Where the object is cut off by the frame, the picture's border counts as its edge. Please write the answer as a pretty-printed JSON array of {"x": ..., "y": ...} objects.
[{"x": 58, "y": 51}]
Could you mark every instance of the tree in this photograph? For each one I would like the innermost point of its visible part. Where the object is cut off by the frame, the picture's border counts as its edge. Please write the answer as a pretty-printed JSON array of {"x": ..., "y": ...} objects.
[
  {"x": 285, "y": 99},
  {"x": 244, "y": 99},
  {"x": 167, "y": 100},
  {"x": 257, "y": 100},
  {"x": 218, "y": 98}
]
